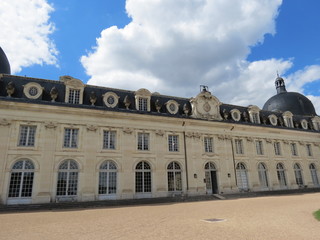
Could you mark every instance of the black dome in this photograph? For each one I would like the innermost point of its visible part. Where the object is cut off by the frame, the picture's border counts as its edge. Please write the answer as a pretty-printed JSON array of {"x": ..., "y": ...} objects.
[
  {"x": 294, "y": 102},
  {"x": 4, "y": 63}
]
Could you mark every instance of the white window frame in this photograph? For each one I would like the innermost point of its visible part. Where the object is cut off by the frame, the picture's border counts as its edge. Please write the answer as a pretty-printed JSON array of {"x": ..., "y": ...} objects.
[
  {"x": 309, "y": 150},
  {"x": 70, "y": 175},
  {"x": 277, "y": 148},
  {"x": 174, "y": 177},
  {"x": 142, "y": 100},
  {"x": 259, "y": 147},
  {"x": 316, "y": 123},
  {"x": 208, "y": 144},
  {"x": 21, "y": 182},
  {"x": 74, "y": 96},
  {"x": 109, "y": 139},
  {"x": 107, "y": 178},
  {"x": 298, "y": 174},
  {"x": 73, "y": 84},
  {"x": 254, "y": 112},
  {"x": 173, "y": 143},
  {"x": 71, "y": 140},
  {"x": 239, "y": 146},
  {"x": 143, "y": 141},
  {"x": 287, "y": 116},
  {"x": 294, "y": 149},
  {"x": 27, "y": 135}
]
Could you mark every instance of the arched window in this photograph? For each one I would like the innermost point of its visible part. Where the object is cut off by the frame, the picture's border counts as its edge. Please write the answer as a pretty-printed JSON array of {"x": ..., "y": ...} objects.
[
  {"x": 242, "y": 177},
  {"x": 174, "y": 177},
  {"x": 21, "y": 179},
  {"x": 67, "y": 184},
  {"x": 314, "y": 174},
  {"x": 281, "y": 175},
  {"x": 211, "y": 178},
  {"x": 143, "y": 177},
  {"x": 298, "y": 174},
  {"x": 108, "y": 178},
  {"x": 262, "y": 170}
]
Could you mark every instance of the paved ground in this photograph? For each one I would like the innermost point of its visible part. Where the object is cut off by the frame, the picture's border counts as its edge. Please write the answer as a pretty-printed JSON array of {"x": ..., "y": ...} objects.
[{"x": 277, "y": 217}]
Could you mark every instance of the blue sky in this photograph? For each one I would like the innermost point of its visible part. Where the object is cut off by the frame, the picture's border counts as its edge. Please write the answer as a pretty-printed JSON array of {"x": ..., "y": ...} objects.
[{"x": 170, "y": 47}]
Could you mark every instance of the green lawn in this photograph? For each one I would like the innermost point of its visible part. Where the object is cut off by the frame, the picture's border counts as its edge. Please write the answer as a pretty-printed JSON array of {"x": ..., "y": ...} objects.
[{"x": 316, "y": 214}]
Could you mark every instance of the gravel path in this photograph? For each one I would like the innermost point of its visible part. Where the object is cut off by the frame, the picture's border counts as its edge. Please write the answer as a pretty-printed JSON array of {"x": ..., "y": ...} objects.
[{"x": 277, "y": 217}]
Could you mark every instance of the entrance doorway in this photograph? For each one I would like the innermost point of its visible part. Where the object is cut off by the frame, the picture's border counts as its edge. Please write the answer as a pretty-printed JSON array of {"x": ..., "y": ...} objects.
[{"x": 211, "y": 178}]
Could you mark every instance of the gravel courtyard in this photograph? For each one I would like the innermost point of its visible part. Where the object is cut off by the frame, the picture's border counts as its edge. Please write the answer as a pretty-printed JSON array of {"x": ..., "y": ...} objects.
[{"x": 278, "y": 217}]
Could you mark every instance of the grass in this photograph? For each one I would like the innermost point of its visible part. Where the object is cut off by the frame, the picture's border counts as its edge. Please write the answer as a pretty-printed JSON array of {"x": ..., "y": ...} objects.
[{"x": 316, "y": 214}]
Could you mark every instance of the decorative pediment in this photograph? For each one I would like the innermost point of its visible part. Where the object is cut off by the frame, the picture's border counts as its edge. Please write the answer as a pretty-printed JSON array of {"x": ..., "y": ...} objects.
[
  {"x": 142, "y": 92},
  {"x": 72, "y": 82},
  {"x": 206, "y": 106}
]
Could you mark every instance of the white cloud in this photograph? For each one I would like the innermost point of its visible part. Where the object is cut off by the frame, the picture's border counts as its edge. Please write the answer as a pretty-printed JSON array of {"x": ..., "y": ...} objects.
[
  {"x": 173, "y": 47},
  {"x": 25, "y": 30}
]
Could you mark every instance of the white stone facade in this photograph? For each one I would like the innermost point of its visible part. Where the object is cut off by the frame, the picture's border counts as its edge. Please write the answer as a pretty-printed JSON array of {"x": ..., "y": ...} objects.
[{"x": 171, "y": 154}]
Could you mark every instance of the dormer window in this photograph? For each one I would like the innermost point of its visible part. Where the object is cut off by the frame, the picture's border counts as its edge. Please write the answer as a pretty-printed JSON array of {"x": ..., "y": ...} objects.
[
  {"x": 254, "y": 114},
  {"x": 304, "y": 124},
  {"x": 74, "y": 96},
  {"x": 142, "y": 100},
  {"x": 143, "y": 104},
  {"x": 74, "y": 90},
  {"x": 316, "y": 123},
  {"x": 287, "y": 116}
]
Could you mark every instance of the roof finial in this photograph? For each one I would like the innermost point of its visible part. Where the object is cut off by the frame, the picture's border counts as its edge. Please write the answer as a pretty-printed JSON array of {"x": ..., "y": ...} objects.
[{"x": 280, "y": 86}]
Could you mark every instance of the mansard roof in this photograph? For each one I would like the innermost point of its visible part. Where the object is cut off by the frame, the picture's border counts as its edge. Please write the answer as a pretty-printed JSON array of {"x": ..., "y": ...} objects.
[{"x": 211, "y": 110}]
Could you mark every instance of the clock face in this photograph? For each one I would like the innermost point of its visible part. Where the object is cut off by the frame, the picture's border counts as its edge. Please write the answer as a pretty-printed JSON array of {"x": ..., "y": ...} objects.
[
  {"x": 33, "y": 91},
  {"x": 110, "y": 100}
]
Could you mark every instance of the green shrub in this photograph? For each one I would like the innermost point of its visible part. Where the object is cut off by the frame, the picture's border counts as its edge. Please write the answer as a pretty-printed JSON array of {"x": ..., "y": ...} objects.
[{"x": 316, "y": 214}]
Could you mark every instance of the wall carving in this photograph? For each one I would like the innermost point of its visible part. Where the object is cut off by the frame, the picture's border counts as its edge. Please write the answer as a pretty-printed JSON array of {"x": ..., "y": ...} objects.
[{"x": 206, "y": 106}]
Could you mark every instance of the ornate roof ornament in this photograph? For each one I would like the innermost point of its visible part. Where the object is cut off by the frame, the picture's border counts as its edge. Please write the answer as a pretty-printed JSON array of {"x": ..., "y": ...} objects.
[{"x": 206, "y": 106}]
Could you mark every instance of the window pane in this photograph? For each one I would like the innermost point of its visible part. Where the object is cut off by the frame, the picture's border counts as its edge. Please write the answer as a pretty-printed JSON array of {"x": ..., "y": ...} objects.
[
  {"x": 173, "y": 143},
  {"x": 15, "y": 180}
]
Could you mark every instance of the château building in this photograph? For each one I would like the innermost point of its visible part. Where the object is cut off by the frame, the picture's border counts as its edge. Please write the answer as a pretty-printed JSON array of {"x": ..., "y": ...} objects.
[{"x": 68, "y": 141}]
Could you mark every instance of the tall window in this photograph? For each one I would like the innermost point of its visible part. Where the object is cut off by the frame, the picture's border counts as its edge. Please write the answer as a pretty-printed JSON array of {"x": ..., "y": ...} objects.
[
  {"x": 239, "y": 146},
  {"x": 174, "y": 177},
  {"x": 259, "y": 147},
  {"x": 143, "y": 177},
  {"x": 27, "y": 136},
  {"x": 21, "y": 179},
  {"x": 109, "y": 139},
  {"x": 70, "y": 138},
  {"x": 298, "y": 174},
  {"x": 262, "y": 170},
  {"x": 208, "y": 144},
  {"x": 67, "y": 184},
  {"x": 143, "y": 104},
  {"x": 108, "y": 178},
  {"x": 289, "y": 122},
  {"x": 255, "y": 118},
  {"x": 143, "y": 141},
  {"x": 74, "y": 96},
  {"x": 314, "y": 174},
  {"x": 281, "y": 175},
  {"x": 309, "y": 150},
  {"x": 242, "y": 177},
  {"x": 294, "y": 150},
  {"x": 173, "y": 143},
  {"x": 277, "y": 148}
]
